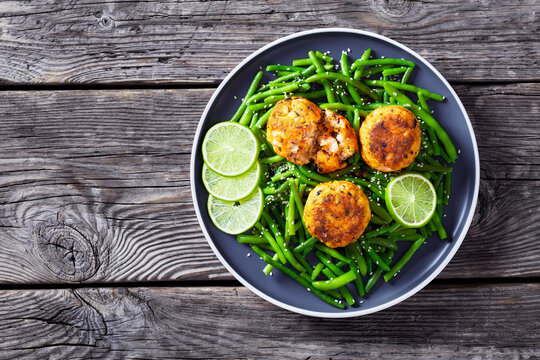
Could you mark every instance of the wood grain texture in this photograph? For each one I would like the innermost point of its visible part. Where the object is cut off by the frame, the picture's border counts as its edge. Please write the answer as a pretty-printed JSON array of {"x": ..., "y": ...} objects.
[
  {"x": 94, "y": 187},
  {"x": 465, "y": 322},
  {"x": 135, "y": 42}
]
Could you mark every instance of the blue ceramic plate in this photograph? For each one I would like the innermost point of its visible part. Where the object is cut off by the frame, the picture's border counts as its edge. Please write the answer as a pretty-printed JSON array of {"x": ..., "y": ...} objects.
[{"x": 429, "y": 260}]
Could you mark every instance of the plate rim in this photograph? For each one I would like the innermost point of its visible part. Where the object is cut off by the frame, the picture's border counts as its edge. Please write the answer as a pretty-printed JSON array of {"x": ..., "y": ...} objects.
[{"x": 358, "y": 312}]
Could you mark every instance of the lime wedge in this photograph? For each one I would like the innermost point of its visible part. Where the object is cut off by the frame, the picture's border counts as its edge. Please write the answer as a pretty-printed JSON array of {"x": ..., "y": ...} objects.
[
  {"x": 230, "y": 149},
  {"x": 411, "y": 200},
  {"x": 231, "y": 188},
  {"x": 235, "y": 217}
]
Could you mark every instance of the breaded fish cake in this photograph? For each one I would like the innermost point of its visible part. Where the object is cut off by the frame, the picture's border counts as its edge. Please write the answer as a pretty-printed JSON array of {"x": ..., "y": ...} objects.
[
  {"x": 336, "y": 143},
  {"x": 390, "y": 137},
  {"x": 337, "y": 213},
  {"x": 293, "y": 129}
]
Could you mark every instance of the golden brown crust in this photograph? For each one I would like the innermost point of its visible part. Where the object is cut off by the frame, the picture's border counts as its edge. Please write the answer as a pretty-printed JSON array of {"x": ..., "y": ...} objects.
[
  {"x": 390, "y": 138},
  {"x": 336, "y": 143},
  {"x": 337, "y": 213},
  {"x": 293, "y": 129}
]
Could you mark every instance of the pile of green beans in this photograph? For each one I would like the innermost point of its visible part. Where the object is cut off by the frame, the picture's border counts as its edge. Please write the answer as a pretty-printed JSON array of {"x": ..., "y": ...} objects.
[{"x": 280, "y": 237}]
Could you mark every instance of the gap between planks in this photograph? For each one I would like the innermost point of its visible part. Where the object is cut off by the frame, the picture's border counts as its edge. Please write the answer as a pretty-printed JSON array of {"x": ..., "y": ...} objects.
[{"x": 450, "y": 282}]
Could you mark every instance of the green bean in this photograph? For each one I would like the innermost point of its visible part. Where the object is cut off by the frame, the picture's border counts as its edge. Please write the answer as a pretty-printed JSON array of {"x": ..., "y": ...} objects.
[
  {"x": 375, "y": 70},
  {"x": 404, "y": 259},
  {"x": 280, "y": 240},
  {"x": 285, "y": 89},
  {"x": 358, "y": 280},
  {"x": 404, "y": 232},
  {"x": 423, "y": 231},
  {"x": 439, "y": 193},
  {"x": 335, "y": 282},
  {"x": 439, "y": 227},
  {"x": 303, "y": 261},
  {"x": 422, "y": 101},
  {"x": 386, "y": 61},
  {"x": 344, "y": 171},
  {"x": 356, "y": 253},
  {"x": 251, "y": 239},
  {"x": 342, "y": 289},
  {"x": 343, "y": 107},
  {"x": 332, "y": 75},
  {"x": 290, "y": 215},
  {"x": 410, "y": 237},
  {"x": 374, "y": 256},
  {"x": 377, "y": 220},
  {"x": 269, "y": 267},
  {"x": 246, "y": 117},
  {"x": 316, "y": 271},
  {"x": 272, "y": 242},
  {"x": 329, "y": 264},
  {"x": 279, "y": 190},
  {"x": 345, "y": 71},
  {"x": 262, "y": 120},
  {"x": 405, "y": 87},
  {"x": 280, "y": 176},
  {"x": 356, "y": 121},
  {"x": 432, "y": 168},
  {"x": 333, "y": 253},
  {"x": 380, "y": 211},
  {"x": 284, "y": 78},
  {"x": 308, "y": 243},
  {"x": 278, "y": 216},
  {"x": 373, "y": 279},
  {"x": 377, "y": 274},
  {"x": 253, "y": 121},
  {"x": 360, "y": 69},
  {"x": 367, "y": 184},
  {"x": 324, "y": 57},
  {"x": 296, "y": 196},
  {"x": 312, "y": 174},
  {"x": 266, "y": 258},
  {"x": 250, "y": 92},
  {"x": 403, "y": 100},
  {"x": 407, "y": 74},
  {"x": 284, "y": 68},
  {"x": 309, "y": 95},
  {"x": 302, "y": 62},
  {"x": 271, "y": 159},
  {"x": 302, "y": 178},
  {"x": 384, "y": 242},
  {"x": 447, "y": 188},
  {"x": 394, "y": 71},
  {"x": 385, "y": 94},
  {"x": 434, "y": 143},
  {"x": 326, "y": 85}
]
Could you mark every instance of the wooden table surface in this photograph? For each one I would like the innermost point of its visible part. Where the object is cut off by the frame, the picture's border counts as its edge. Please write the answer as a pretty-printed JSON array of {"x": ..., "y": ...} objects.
[{"x": 101, "y": 254}]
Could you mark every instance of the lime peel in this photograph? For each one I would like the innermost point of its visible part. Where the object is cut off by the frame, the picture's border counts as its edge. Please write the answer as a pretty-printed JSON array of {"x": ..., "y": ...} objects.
[{"x": 411, "y": 199}]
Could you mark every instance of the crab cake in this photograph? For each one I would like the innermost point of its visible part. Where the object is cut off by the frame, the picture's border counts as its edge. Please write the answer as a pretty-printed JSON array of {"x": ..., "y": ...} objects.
[
  {"x": 390, "y": 138},
  {"x": 337, "y": 213},
  {"x": 293, "y": 129},
  {"x": 336, "y": 143}
]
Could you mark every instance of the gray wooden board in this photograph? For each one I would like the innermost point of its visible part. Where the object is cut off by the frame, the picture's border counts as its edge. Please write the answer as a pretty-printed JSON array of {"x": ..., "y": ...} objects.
[
  {"x": 94, "y": 187},
  {"x": 441, "y": 321},
  {"x": 136, "y": 42}
]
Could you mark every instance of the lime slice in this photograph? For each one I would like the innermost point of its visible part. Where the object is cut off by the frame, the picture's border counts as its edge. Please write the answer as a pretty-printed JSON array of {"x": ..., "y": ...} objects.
[
  {"x": 231, "y": 188},
  {"x": 411, "y": 200},
  {"x": 230, "y": 149},
  {"x": 235, "y": 217}
]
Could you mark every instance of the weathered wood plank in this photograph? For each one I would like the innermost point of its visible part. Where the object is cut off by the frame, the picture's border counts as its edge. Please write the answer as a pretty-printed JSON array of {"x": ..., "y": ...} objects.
[
  {"x": 108, "y": 42},
  {"x": 94, "y": 187},
  {"x": 441, "y": 321}
]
